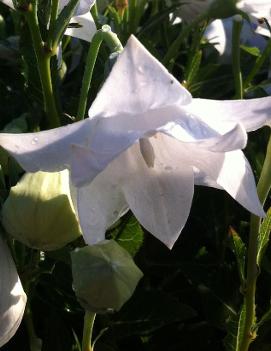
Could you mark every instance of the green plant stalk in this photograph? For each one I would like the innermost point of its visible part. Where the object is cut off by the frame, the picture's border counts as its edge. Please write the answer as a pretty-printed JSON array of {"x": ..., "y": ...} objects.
[
  {"x": 263, "y": 189},
  {"x": 54, "y": 11},
  {"x": 60, "y": 25},
  {"x": 258, "y": 64},
  {"x": 87, "y": 332},
  {"x": 114, "y": 44},
  {"x": 43, "y": 61},
  {"x": 236, "y": 67},
  {"x": 95, "y": 13}
]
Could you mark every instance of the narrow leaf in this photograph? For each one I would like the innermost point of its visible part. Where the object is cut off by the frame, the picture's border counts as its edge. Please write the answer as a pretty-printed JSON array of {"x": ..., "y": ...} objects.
[
  {"x": 239, "y": 250},
  {"x": 63, "y": 20},
  {"x": 251, "y": 50},
  {"x": 194, "y": 67},
  {"x": 235, "y": 329},
  {"x": 263, "y": 237}
]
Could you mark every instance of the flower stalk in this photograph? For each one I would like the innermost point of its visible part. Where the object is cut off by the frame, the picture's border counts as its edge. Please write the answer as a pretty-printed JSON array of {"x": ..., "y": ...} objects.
[
  {"x": 43, "y": 60},
  {"x": 112, "y": 41},
  {"x": 236, "y": 33},
  {"x": 88, "y": 330},
  {"x": 263, "y": 189}
]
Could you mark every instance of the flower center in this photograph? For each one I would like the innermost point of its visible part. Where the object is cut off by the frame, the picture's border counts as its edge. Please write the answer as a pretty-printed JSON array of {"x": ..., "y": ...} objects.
[{"x": 147, "y": 151}]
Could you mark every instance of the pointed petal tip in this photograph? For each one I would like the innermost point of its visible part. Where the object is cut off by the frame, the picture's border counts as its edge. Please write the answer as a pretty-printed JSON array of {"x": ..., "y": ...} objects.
[{"x": 260, "y": 212}]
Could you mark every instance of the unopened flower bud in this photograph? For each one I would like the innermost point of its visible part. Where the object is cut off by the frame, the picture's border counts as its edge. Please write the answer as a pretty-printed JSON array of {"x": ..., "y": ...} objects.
[
  {"x": 104, "y": 276},
  {"x": 39, "y": 211}
]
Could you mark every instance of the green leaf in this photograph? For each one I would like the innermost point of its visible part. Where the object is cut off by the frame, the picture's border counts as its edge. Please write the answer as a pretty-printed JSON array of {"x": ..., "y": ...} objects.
[
  {"x": 194, "y": 67},
  {"x": 44, "y": 11},
  {"x": 129, "y": 234},
  {"x": 263, "y": 237},
  {"x": 251, "y": 50},
  {"x": 235, "y": 329},
  {"x": 239, "y": 250},
  {"x": 62, "y": 21}
]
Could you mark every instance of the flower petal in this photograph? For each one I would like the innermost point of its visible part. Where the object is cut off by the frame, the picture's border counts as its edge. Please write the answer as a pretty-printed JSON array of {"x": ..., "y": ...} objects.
[
  {"x": 230, "y": 171},
  {"x": 12, "y": 299},
  {"x": 83, "y": 6},
  {"x": 99, "y": 204},
  {"x": 219, "y": 33},
  {"x": 86, "y": 28},
  {"x": 251, "y": 113},
  {"x": 159, "y": 196},
  {"x": 256, "y": 8},
  {"x": 109, "y": 137},
  {"x": 49, "y": 150},
  {"x": 193, "y": 131},
  {"x": 8, "y": 3},
  {"x": 143, "y": 84}
]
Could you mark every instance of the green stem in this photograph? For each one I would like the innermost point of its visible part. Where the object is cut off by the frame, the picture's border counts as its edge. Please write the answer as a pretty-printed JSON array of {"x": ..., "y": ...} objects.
[
  {"x": 43, "y": 61},
  {"x": 114, "y": 44},
  {"x": 258, "y": 64},
  {"x": 54, "y": 11},
  {"x": 95, "y": 13},
  {"x": 87, "y": 332},
  {"x": 236, "y": 32},
  {"x": 263, "y": 188},
  {"x": 60, "y": 25}
]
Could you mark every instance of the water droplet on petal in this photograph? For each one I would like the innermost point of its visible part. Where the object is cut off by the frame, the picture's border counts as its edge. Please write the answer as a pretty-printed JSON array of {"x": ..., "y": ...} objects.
[
  {"x": 34, "y": 141},
  {"x": 140, "y": 69}
]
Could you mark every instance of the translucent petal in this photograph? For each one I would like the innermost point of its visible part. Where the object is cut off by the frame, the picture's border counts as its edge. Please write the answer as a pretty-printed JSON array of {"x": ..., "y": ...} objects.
[
  {"x": 231, "y": 172},
  {"x": 252, "y": 113},
  {"x": 99, "y": 204},
  {"x": 12, "y": 296},
  {"x": 193, "y": 131},
  {"x": 143, "y": 85},
  {"x": 46, "y": 151},
  {"x": 159, "y": 196}
]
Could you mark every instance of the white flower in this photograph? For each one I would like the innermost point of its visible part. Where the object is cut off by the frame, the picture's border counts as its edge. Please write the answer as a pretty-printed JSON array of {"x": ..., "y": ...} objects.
[
  {"x": 256, "y": 9},
  {"x": 145, "y": 143},
  {"x": 82, "y": 24},
  {"x": 12, "y": 296},
  {"x": 219, "y": 33}
]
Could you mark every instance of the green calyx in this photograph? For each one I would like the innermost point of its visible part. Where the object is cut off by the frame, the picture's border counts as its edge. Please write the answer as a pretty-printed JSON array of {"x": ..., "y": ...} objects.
[{"x": 104, "y": 276}]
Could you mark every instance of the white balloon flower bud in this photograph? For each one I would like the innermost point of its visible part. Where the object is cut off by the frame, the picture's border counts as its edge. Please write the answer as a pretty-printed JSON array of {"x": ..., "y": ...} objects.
[{"x": 39, "y": 211}]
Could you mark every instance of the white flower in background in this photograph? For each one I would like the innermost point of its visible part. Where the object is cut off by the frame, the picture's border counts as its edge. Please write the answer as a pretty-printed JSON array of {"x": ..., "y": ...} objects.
[
  {"x": 82, "y": 24},
  {"x": 12, "y": 296},
  {"x": 145, "y": 143},
  {"x": 219, "y": 33},
  {"x": 256, "y": 9}
]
